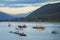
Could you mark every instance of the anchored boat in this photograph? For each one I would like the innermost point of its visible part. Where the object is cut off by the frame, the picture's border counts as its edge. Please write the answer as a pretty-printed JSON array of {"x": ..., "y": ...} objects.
[
  {"x": 55, "y": 32},
  {"x": 24, "y": 26},
  {"x": 39, "y": 27},
  {"x": 20, "y": 34}
]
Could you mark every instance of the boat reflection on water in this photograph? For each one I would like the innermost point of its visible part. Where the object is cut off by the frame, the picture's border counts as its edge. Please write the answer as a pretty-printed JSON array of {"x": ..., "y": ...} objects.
[{"x": 19, "y": 28}]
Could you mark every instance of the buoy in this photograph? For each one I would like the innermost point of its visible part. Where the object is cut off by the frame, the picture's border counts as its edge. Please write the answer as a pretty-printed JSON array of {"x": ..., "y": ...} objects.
[{"x": 9, "y": 25}]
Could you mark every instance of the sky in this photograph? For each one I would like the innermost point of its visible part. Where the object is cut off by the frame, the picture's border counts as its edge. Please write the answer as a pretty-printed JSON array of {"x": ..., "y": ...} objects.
[{"x": 22, "y": 6}]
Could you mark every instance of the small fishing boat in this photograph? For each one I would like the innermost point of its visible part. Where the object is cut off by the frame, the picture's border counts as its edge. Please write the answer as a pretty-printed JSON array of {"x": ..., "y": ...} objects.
[
  {"x": 24, "y": 26},
  {"x": 39, "y": 27},
  {"x": 14, "y": 32},
  {"x": 20, "y": 34},
  {"x": 55, "y": 32}
]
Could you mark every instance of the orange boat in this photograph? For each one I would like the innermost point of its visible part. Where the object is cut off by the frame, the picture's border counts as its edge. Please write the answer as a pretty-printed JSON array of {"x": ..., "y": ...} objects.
[
  {"x": 39, "y": 27},
  {"x": 24, "y": 26}
]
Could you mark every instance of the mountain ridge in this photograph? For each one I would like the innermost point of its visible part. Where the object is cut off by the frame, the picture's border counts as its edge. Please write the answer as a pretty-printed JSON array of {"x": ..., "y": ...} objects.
[
  {"x": 6, "y": 16},
  {"x": 46, "y": 12}
]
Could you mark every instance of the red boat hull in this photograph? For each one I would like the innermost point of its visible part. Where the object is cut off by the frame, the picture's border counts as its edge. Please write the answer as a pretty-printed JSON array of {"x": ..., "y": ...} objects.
[{"x": 39, "y": 27}]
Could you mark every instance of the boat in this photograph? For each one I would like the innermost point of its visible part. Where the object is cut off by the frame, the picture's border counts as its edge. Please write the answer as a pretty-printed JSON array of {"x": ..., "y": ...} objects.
[
  {"x": 24, "y": 26},
  {"x": 39, "y": 27},
  {"x": 55, "y": 32},
  {"x": 14, "y": 32},
  {"x": 20, "y": 34}
]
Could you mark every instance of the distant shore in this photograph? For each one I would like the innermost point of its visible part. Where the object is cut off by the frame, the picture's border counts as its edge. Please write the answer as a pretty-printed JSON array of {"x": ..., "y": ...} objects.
[{"x": 33, "y": 21}]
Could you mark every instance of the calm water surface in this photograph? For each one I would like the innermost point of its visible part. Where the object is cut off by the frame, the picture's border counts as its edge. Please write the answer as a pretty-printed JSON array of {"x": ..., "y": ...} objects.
[{"x": 32, "y": 34}]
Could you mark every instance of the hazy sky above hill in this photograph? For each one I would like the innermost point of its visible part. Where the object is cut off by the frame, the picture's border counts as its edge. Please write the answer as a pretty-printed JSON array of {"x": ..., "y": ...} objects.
[{"x": 22, "y": 6}]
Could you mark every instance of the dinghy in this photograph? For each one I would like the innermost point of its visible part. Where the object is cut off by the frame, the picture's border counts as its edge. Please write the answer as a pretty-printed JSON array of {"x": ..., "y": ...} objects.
[{"x": 55, "y": 32}]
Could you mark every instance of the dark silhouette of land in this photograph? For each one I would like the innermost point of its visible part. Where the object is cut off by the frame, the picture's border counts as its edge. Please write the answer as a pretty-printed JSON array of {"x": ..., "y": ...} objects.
[{"x": 47, "y": 13}]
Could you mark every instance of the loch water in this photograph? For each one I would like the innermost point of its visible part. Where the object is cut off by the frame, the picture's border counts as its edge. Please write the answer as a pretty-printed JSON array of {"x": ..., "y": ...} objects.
[{"x": 32, "y": 34}]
